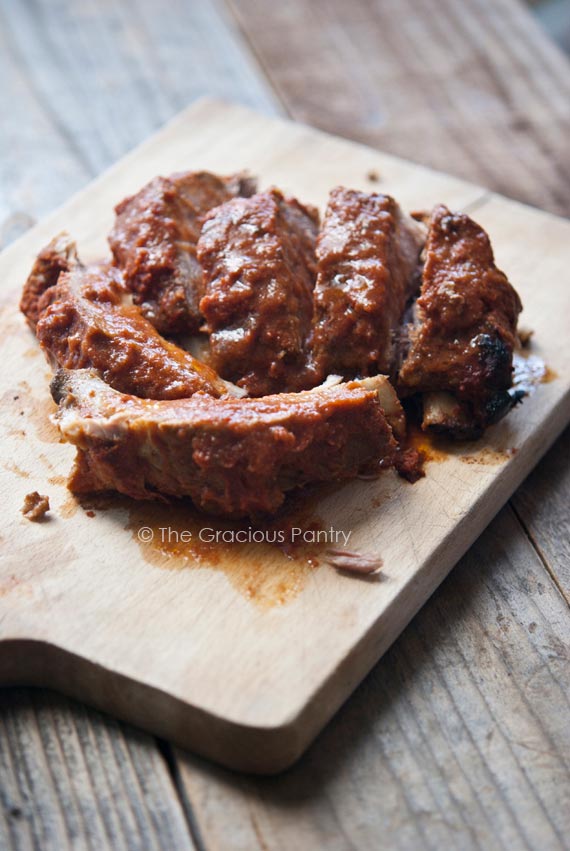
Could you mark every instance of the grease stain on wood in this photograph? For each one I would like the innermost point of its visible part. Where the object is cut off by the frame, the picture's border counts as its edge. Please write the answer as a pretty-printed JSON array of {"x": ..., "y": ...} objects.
[
  {"x": 488, "y": 455},
  {"x": 38, "y": 412},
  {"x": 14, "y": 468},
  {"x": 260, "y": 560},
  {"x": 264, "y": 561}
]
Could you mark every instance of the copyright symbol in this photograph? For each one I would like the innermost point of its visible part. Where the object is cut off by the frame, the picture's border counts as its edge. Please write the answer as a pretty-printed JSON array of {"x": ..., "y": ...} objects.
[{"x": 145, "y": 534}]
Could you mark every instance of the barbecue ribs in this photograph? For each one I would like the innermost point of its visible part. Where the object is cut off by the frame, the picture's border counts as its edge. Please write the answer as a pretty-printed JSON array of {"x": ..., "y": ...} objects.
[
  {"x": 258, "y": 257},
  {"x": 368, "y": 268},
  {"x": 154, "y": 243},
  {"x": 285, "y": 308},
  {"x": 235, "y": 457},
  {"x": 87, "y": 320},
  {"x": 60, "y": 255},
  {"x": 464, "y": 331}
]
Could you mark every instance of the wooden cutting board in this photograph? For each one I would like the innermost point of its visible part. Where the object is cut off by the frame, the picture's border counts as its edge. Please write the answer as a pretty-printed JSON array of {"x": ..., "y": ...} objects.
[{"x": 240, "y": 652}]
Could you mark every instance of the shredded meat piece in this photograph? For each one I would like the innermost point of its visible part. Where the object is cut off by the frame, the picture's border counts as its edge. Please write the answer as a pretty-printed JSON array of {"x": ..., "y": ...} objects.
[
  {"x": 461, "y": 343},
  {"x": 87, "y": 320},
  {"x": 232, "y": 457},
  {"x": 354, "y": 562},
  {"x": 154, "y": 243},
  {"x": 258, "y": 256},
  {"x": 409, "y": 464},
  {"x": 60, "y": 255},
  {"x": 35, "y": 506},
  {"x": 368, "y": 268}
]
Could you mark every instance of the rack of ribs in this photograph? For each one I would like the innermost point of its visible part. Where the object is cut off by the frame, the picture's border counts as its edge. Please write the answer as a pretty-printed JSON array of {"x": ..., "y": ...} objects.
[
  {"x": 307, "y": 323},
  {"x": 154, "y": 243},
  {"x": 461, "y": 340},
  {"x": 258, "y": 257},
  {"x": 236, "y": 457},
  {"x": 368, "y": 269}
]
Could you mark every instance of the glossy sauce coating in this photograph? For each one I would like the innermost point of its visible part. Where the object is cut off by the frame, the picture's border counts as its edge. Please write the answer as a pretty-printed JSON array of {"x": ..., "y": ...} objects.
[
  {"x": 231, "y": 456},
  {"x": 368, "y": 268},
  {"x": 86, "y": 320},
  {"x": 57, "y": 257},
  {"x": 258, "y": 257},
  {"x": 154, "y": 243},
  {"x": 466, "y": 317}
]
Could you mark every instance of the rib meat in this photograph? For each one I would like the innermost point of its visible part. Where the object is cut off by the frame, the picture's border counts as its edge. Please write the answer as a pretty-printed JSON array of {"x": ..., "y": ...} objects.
[
  {"x": 154, "y": 243},
  {"x": 232, "y": 457},
  {"x": 461, "y": 342},
  {"x": 60, "y": 255},
  {"x": 368, "y": 268},
  {"x": 258, "y": 256},
  {"x": 87, "y": 320}
]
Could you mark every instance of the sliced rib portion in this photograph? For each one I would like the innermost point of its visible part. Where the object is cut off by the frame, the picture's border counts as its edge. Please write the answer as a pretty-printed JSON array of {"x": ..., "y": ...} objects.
[
  {"x": 368, "y": 268},
  {"x": 87, "y": 320},
  {"x": 154, "y": 243},
  {"x": 258, "y": 256},
  {"x": 461, "y": 342},
  {"x": 232, "y": 457},
  {"x": 60, "y": 255}
]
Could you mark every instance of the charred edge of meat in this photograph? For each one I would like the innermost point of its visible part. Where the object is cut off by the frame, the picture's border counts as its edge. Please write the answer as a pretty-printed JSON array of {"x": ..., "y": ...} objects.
[
  {"x": 60, "y": 389},
  {"x": 401, "y": 337},
  {"x": 501, "y": 403},
  {"x": 466, "y": 419},
  {"x": 495, "y": 357},
  {"x": 244, "y": 184}
]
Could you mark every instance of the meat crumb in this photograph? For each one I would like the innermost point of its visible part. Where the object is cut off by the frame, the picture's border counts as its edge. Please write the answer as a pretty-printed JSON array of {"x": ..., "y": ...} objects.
[
  {"x": 353, "y": 562},
  {"x": 373, "y": 176},
  {"x": 35, "y": 506},
  {"x": 410, "y": 464}
]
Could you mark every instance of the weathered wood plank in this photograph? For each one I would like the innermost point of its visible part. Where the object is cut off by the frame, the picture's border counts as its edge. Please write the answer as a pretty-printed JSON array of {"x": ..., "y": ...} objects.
[
  {"x": 458, "y": 739},
  {"x": 435, "y": 141},
  {"x": 72, "y": 778},
  {"x": 474, "y": 89},
  {"x": 83, "y": 83},
  {"x": 542, "y": 504},
  {"x": 344, "y": 796},
  {"x": 269, "y": 697}
]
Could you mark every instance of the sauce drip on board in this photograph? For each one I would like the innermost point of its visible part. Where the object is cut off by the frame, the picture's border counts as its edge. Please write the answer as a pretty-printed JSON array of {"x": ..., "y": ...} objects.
[{"x": 267, "y": 563}]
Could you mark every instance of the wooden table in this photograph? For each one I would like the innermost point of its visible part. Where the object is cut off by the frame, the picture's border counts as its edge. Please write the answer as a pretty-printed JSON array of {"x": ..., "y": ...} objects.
[{"x": 460, "y": 737}]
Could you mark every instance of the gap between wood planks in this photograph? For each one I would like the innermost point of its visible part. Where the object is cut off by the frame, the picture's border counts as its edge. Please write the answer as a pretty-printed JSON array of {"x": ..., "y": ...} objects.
[
  {"x": 167, "y": 752},
  {"x": 536, "y": 545}
]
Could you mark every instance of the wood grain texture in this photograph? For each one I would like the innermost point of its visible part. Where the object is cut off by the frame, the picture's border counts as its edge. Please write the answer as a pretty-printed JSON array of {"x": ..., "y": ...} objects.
[
  {"x": 83, "y": 83},
  {"x": 147, "y": 645},
  {"x": 474, "y": 89},
  {"x": 52, "y": 172},
  {"x": 458, "y": 739},
  {"x": 65, "y": 768},
  {"x": 543, "y": 503}
]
